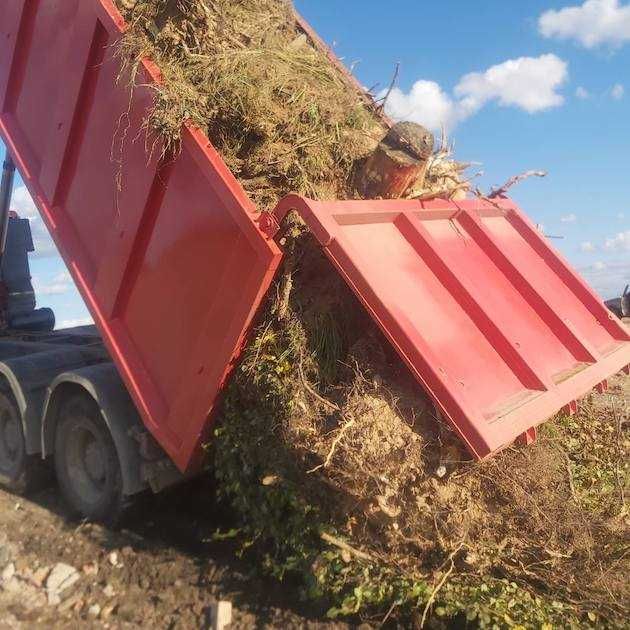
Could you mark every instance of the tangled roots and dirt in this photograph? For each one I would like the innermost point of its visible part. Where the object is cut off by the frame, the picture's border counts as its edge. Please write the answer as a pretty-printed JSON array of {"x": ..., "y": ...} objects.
[{"x": 348, "y": 476}]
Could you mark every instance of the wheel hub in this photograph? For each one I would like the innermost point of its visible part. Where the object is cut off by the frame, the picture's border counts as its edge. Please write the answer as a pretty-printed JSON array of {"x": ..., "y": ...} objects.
[
  {"x": 86, "y": 462},
  {"x": 94, "y": 462}
]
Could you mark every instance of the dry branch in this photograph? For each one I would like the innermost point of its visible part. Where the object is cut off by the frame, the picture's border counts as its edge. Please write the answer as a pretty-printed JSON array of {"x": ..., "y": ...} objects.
[{"x": 516, "y": 179}]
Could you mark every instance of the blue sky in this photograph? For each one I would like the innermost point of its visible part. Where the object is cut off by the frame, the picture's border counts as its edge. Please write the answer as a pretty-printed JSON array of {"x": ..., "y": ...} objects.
[
  {"x": 575, "y": 126},
  {"x": 520, "y": 85}
]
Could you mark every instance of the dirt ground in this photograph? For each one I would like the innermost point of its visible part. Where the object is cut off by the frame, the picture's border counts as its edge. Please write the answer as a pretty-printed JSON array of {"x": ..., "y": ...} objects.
[{"x": 161, "y": 570}]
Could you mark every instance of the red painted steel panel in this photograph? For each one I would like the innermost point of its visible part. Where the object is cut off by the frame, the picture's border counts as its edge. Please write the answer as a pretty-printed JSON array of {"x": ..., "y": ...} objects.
[
  {"x": 167, "y": 253},
  {"x": 493, "y": 323},
  {"x": 170, "y": 258}
]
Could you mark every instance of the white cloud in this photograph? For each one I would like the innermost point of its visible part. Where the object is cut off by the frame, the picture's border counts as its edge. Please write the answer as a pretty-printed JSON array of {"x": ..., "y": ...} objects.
[
  {"x": 60, "y": 284},
  {"x": 617, "y": 91},
  {"x": 22, "y": 203},
  {"x": 621, "y": 216},
  {"x": 582, "y": 93},
  {"x": 609, "y": 278},
  {"x": 71, "y": 323},
  {"x": 62, "y": 277},
  {"x": 592, "y": 24},
  {"x": 426, "y": 104},
  {"x": 587, "y": 246},
  {"x": 619, "y": 242},
  {"x": 51, "y": 289},
  {"x": 528, "y": 83},
  {"x": 569, "y": 218}
]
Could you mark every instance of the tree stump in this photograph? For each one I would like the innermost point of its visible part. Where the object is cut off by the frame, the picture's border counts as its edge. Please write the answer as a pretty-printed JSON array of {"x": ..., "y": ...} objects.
[{"x": 399, "y": 161}]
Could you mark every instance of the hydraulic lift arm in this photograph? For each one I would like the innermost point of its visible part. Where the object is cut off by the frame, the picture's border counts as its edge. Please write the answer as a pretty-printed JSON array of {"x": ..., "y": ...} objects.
[{"x": 6, "y": 192}]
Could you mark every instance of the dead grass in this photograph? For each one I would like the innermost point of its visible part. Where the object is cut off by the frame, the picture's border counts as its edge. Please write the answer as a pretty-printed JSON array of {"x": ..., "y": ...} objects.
[{"x": 282, "y": 116}]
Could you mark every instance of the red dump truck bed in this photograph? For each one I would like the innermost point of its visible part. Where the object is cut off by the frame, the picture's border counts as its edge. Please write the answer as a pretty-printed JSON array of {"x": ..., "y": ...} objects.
[
  {"x": 492, "y": 322},
  {"x": 167, "y": 256},
  {"x": 173, "y": 262}
]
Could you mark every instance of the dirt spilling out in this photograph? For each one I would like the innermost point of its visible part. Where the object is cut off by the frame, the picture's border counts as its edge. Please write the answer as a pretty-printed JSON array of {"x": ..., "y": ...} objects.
[{"x": 327, "y": 448}]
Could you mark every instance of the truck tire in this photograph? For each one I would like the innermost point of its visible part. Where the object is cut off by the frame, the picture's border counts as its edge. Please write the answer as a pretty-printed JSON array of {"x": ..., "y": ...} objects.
[
  {"x": 86, "y": 462},
  {"x": 19, "y": 472}
]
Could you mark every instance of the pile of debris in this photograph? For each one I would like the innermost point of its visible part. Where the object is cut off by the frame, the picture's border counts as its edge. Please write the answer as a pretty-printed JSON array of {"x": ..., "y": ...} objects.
[
  {"x": 327, "y": 448},
  {"x": 282, "y": 115}
]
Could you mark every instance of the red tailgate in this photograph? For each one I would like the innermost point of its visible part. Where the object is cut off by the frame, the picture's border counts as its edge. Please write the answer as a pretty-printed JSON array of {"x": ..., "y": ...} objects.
[
  {"x": 166, "y": 253},
  {"x": 492, "y": 322}
]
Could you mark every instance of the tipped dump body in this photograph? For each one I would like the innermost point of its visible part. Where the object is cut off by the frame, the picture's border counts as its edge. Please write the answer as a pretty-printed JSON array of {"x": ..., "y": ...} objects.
[
  {"x": 173, "y": 265},
  {"x": 492, "y": 322}
]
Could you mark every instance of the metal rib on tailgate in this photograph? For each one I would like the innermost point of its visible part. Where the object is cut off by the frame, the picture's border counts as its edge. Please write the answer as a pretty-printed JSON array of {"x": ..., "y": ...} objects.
[{"x": 492, "y": 322}]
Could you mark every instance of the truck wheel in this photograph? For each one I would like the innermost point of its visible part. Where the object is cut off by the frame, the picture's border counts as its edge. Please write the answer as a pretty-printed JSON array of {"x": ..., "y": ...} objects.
[
  {"x": 86, "y": 462},
  {"x": 18, "y": 471}
]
